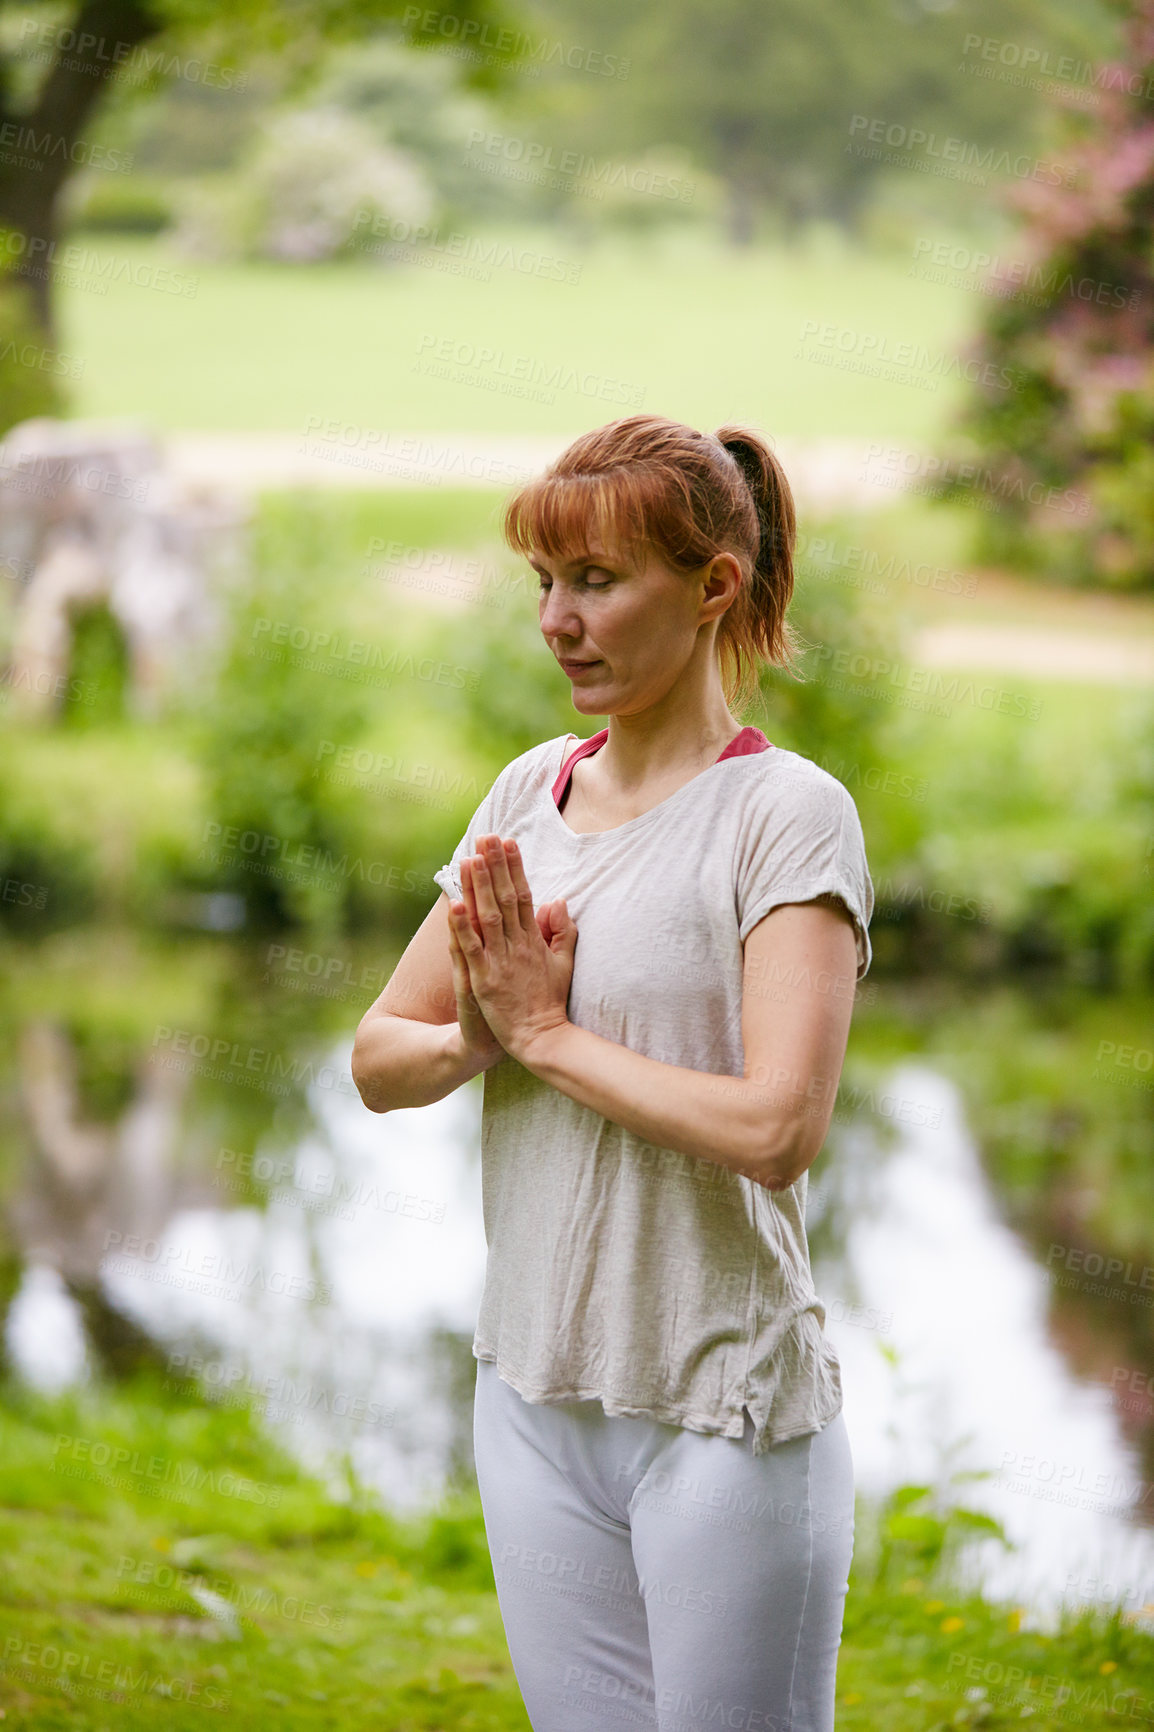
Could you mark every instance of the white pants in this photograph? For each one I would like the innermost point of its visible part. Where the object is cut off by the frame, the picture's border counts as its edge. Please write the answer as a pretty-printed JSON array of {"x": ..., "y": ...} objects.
[{"x": 661, "y": 1577}]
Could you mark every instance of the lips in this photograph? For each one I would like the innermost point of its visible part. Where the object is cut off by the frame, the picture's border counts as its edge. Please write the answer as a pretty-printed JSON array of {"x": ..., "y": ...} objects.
[{"x": 572, "y": 667}]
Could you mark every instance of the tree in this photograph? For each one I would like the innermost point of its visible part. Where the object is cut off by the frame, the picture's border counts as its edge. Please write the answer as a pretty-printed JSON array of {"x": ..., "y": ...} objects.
[
  {"x": 49, "y": 119},
  {"x": 764, "y": 95},
  {"x": 1071, "y": 450}
]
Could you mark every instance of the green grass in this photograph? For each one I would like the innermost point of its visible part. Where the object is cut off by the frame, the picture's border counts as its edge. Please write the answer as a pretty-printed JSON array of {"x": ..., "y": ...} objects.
[
  {"x": 363, "y": 527},
  {"x": 704, "y": 333},
  {"x": 332, "y": 1613}
]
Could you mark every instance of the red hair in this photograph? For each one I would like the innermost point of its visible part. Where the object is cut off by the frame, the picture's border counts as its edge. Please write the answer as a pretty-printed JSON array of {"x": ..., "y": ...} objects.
[{"x": 689, "y": 495}]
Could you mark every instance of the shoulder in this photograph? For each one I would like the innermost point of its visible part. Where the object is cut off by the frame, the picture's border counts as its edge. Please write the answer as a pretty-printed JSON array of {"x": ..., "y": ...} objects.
[
  {"x": 792, "y": 786},
  {"x": 800, "y": 840}
]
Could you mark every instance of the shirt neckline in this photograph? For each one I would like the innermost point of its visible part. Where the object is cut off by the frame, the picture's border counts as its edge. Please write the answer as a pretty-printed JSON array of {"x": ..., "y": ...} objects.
[{"x": 642, "y": 818}]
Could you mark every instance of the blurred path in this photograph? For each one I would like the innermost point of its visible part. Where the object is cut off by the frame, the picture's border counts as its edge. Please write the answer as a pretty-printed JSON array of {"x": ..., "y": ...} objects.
[
  {"x": 1092, "y": 638},
  {"x": 825, "y": 473},
  {"x": 1058, "y": 655}
]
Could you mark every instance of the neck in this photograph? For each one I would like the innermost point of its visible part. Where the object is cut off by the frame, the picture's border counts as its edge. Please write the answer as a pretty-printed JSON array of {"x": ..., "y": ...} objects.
[{"x": 687, "y": 729}]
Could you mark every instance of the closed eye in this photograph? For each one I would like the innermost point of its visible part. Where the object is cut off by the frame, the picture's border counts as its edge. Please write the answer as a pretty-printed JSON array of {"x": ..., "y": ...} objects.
[{"x": 546, "y": 584}]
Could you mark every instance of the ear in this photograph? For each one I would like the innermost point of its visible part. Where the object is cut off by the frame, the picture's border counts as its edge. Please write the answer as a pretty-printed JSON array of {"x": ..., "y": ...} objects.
[{"x": 720, "y": 583}]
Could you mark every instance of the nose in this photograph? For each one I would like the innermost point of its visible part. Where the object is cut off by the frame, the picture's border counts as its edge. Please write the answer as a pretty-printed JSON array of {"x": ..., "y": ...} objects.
[{"x": 559, "y": 617}]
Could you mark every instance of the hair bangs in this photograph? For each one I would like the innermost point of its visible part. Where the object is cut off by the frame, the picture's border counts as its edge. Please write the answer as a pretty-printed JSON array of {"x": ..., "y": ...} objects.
[{"x": 565, "y": 516}]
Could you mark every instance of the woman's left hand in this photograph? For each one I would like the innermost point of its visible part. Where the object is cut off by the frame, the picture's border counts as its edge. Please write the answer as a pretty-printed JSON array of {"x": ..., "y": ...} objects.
[{"x": 519, "y": 976}]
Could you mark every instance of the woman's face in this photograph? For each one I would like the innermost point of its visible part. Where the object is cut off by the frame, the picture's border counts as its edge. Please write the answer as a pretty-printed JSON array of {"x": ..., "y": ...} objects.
[{"x": 624, "y": 627}]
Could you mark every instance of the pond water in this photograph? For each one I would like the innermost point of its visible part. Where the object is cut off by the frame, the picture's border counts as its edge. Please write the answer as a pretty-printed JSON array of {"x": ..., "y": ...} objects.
[{"x": 329, "y": 1262}]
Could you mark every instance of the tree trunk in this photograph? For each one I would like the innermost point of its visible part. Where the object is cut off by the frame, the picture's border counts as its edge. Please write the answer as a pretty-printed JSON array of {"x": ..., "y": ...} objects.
[{"x": 103, "y": 35}]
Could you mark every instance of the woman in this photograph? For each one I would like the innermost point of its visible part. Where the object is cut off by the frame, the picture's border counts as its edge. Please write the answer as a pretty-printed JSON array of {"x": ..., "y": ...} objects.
[{"x": 663, "y": 1465}]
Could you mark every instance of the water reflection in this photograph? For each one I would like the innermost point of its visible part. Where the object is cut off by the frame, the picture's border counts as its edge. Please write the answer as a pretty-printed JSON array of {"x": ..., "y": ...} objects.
[
  {"x": 345, "y": 1305},
  {"x": 327, "y": 1263},
  {"x": 971, "y": 1382},
  {"x": 46, "y": 1340}
]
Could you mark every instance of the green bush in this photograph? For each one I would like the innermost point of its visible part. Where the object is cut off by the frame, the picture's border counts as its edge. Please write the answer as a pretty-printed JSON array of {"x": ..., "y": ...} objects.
[
  {"x": 99, "y": 670},
  {"x": 130, "y": 205},
  {"x": 263, "y": 726}
]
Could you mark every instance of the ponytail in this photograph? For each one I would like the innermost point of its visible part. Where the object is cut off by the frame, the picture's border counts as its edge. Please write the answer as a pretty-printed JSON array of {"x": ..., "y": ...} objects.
[{"x": 755, "y": 629}]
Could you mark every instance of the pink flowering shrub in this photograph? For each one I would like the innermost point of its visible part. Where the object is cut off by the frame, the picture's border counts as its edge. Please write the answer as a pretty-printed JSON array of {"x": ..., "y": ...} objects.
[{"x": 1069, "y": 482}]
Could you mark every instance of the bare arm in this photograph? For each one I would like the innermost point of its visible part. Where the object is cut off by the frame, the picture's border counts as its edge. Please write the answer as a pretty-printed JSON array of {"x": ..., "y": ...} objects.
[
  {"x": 799, "y": 976},
  {"x": 409, "y": 1048},
  {"x": 769, "y": 1124}
]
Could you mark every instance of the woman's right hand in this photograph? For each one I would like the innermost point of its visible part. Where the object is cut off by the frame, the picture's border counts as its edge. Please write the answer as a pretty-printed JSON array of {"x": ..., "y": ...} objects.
[{"x": 477, "y": 1038}]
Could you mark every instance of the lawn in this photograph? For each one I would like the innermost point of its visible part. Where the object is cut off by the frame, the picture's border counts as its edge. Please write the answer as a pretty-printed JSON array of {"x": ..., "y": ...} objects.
[
  {"x": 677, "y": 325},
  {"x": 177, "y": 1568}
]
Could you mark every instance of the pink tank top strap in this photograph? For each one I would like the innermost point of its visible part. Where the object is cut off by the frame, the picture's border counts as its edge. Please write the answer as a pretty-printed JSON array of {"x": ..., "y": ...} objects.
[
  {"x": 584, "y": 750},
  {"x": 742, "y": 745}
]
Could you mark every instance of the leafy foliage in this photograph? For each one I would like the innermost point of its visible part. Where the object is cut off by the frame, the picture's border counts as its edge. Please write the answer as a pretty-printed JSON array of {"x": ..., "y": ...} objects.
[
  {"x": 763, "y": 97},
  {"x": 1072, "y": 450},
  {"x": 262, "y": 731},
  {"x": 100, "y": 667},
  {"x": 313, "y": 178},
  {"x": 919, "y": 1536}
]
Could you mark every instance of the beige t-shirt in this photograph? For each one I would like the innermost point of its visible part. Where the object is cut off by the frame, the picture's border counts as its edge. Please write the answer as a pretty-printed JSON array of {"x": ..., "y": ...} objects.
[{"x": 656, "y": 1282}]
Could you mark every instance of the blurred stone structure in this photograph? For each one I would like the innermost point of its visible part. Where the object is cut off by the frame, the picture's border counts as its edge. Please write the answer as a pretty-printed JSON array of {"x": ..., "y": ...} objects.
[{"x": 90, "y": 512}]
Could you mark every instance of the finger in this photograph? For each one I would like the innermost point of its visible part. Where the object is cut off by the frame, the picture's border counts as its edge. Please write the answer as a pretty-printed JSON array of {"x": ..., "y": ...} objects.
[
  {"x": 503, "y": 888},
  {"x": 461, "y": 929},
  {"x": 462, "y": 983},
  {"x": 467, "y": 1003},
  {"x": 469, "y": 897},
  {"x": 516, "y": 869},
  {"x": 457, "y": 960},
  {"x": 468, "y": 892},
  {"x": 488, "y": 908},
  {"x": 555, "y": 915},
  {"x": 547, "y": 920},
  {"x": 566, "y": 933}
]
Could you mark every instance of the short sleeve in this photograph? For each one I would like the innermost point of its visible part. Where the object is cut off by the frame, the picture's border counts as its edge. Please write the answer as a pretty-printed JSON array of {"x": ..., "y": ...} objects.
[
  {"x": 490, "y": 815},
  {"x": 485, "y": 819},
  {"x": 802, "y": 841}
]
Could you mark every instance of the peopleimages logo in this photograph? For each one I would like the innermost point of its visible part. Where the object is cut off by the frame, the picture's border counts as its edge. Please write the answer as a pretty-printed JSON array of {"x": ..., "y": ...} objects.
[
  {"x": 120, "y": 1460},
  {"x": 474, "y": 36},
  {"x": 111, "y": 58},
  {"x": 575, "y": 165},
  {"x": 81, "y": 1673},
  {"x": 517, "y": 375},
  {"x": 924, "y": 472},
  {"x": 963, "y": 157},
  {"x": 421, "y": 243},
  {"x": 877, "y": 351},
  {"x": 1032, "y": 65},
  {"x": 76, "y": 150},
  {"x": 1016, "y": 278}
]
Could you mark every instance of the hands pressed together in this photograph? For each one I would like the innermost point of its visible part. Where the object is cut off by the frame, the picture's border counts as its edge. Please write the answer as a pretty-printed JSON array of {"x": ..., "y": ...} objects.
[{"x": 511, "y": 966}]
